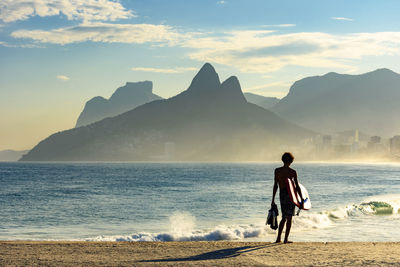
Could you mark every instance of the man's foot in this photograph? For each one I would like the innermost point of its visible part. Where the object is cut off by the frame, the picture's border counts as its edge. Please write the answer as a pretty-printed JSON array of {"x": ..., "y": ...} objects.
[
  {"x": 288, "y": 242},
  {"x": 277, "y": 241}
]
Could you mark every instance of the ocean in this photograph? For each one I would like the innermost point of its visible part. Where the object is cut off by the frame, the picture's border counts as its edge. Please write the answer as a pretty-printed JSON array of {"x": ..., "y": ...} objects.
[{"x": 193, "y": 201}]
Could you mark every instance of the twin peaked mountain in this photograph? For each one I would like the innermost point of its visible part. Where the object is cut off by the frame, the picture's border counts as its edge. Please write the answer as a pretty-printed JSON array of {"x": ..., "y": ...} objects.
[{"x": 209, "y": 121}]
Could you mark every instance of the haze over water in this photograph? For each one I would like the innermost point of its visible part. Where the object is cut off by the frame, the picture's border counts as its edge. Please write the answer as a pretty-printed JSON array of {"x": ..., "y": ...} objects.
[{"x": 192, "y": 201}]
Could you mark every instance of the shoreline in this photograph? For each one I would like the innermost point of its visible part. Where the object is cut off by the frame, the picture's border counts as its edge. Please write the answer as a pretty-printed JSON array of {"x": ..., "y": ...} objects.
[{"x": 203, "y": 253}]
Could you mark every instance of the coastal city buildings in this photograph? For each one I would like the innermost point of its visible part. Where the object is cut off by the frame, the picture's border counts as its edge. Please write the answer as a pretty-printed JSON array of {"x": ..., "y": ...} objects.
[{"x": 350, "y": 145}]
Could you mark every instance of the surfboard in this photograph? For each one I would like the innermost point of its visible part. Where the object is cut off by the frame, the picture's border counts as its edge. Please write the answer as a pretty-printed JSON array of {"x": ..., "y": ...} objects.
[{"x": 295, "y": 197}]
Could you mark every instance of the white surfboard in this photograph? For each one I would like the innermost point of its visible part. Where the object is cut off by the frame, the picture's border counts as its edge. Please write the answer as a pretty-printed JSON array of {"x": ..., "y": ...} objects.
[{"x": 295, "y": 197}]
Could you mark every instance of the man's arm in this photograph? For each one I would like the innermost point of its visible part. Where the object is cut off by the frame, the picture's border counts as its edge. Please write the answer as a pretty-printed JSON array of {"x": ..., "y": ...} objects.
[
  {"x": 275, "y": 188},
  {"x": 297, "y": 186}
]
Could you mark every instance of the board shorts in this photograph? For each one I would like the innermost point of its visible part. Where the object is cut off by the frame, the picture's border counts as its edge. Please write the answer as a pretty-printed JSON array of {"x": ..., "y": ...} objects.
[{"x": 287, "y": 206}]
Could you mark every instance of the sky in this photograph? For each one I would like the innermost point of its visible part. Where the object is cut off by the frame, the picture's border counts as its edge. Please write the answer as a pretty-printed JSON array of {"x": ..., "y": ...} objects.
[{"x": 57, "y": 54}]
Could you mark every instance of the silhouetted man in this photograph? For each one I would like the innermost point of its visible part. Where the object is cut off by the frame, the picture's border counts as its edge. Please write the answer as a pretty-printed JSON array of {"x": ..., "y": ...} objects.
[{"x": 287, "y": 207}]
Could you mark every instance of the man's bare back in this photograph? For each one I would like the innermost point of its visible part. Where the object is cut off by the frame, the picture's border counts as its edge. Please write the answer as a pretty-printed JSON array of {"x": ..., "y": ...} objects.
[{"x": 282, "y": 173}]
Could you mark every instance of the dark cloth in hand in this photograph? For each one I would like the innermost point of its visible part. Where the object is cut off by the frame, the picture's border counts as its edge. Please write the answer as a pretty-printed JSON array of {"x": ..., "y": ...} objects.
[{"x": 272, "y": 218}]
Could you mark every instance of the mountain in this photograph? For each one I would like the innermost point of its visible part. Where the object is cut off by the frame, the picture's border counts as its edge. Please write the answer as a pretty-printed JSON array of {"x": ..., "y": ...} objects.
[
  {"x": 338, "y": 102},
  {"x": 262, "y": 101},
  {"x": 11, "y": 155},
  {"x": 124, "y": 98},
  {"x": 208, "y": 121}
]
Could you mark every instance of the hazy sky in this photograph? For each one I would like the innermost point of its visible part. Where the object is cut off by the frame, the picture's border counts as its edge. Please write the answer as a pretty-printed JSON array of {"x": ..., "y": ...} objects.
[{"x": 57, "y": 54}]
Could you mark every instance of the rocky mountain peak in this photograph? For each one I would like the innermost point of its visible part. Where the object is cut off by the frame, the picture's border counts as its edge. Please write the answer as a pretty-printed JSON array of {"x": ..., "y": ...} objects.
[{"x": 206, "y": 79}]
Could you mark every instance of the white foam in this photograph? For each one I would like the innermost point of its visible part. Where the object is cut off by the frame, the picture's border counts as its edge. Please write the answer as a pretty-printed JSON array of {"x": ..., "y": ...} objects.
[
  {"x": 339, "y": 213},
  {"x": 183, "y": 224},
  {"x": 311, "y": 221},
  {"x": 221, "y": 232},
  {"x": 182, "y": 228}
]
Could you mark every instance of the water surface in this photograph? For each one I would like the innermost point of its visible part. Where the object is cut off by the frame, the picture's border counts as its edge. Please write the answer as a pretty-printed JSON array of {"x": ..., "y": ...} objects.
[{"x": 192, "y": 201}]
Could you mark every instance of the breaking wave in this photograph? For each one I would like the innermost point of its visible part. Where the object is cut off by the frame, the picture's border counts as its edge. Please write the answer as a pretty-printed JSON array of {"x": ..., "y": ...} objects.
[
  {"x": 378, "y": 205},
  {"x": 221, "y": 232},
  {"x": 182, "y": 224}
]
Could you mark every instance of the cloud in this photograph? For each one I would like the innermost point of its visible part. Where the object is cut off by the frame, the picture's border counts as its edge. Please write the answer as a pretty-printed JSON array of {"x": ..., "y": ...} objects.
[
  {"x": 162, "y": 70},
  {"x": 62, "y": 78},
  {"x": 284, "y": 49},
  {"x": 267, "y": 51},
  {"x": 279, "y": 25},
  {"x": 104, "y": 32},
  {"x": 5, "y": 44},
  {"x": 86, "y": 10},
  {"x": 255, "y": 51},
  {"x": 342, "y": 18},
  {"x": 221, "y": 2}
]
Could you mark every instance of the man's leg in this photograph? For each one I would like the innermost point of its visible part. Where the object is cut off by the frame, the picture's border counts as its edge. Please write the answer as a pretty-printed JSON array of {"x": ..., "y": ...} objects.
[
  {"x": 281, "y": 225},
  {"x": 288, "y": 226}
]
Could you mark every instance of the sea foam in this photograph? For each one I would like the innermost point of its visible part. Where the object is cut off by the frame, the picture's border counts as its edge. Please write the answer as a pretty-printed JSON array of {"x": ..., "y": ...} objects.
[
  {"x": 182, "y": 224},
  {"x": 376, "y": 205},
  {"x": 182, "y": 228},
  {"x": 221, "y": 232}
]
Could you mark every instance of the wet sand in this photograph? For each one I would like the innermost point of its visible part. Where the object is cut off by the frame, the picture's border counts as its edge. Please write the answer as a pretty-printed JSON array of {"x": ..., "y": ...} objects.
[{"x": 25, "y": 253}]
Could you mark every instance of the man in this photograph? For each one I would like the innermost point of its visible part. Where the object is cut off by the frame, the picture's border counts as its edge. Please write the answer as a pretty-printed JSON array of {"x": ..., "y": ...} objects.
[{"x": 287, "y": 207}]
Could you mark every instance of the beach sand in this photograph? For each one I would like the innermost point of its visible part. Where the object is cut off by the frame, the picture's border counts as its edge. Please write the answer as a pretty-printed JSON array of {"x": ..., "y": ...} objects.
[{"x": 26, "y": 253}]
